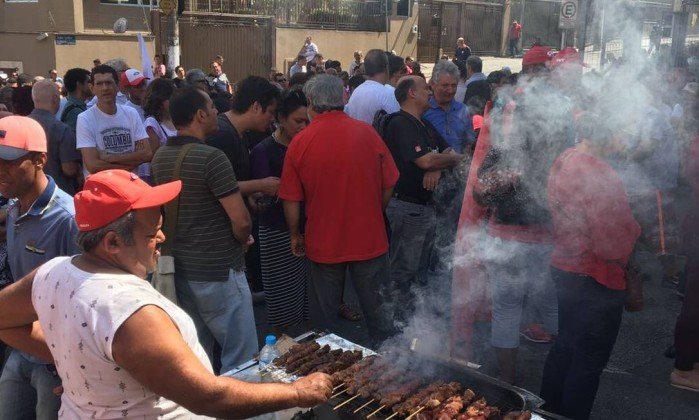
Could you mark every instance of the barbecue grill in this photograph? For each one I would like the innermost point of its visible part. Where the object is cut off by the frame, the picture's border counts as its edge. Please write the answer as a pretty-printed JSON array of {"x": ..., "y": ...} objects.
[{"x": 344, "y": 407}]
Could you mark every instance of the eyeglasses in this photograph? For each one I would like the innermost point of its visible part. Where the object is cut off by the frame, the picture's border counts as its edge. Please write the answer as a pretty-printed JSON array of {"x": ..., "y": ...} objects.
[{"x": 281, "y": 80}]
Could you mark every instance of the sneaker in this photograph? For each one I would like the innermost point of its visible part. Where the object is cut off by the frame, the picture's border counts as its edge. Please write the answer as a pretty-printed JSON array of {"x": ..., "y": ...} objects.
[
  {"x": 536, "y": 334},
  {"x": 688, "y": 380}
]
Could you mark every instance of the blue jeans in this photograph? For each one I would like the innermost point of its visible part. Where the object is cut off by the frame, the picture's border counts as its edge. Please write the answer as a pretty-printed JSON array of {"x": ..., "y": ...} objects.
[
  {"x": 222, "y": 311},
  {"x": 26, "y": 390}
]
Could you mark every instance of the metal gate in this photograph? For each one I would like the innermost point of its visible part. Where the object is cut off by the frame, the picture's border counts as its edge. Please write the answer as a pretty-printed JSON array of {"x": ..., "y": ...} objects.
[
  {"x": 539, "y": 21},
  {"x": 246, "y": 43},
  {"x": 441, "y": 23}
]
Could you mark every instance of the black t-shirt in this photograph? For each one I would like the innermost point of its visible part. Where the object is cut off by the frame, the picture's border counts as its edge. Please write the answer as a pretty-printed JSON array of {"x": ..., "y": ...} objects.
[
  {"x": 228, "y": 140},
  {"x": 408, "y": 139}
]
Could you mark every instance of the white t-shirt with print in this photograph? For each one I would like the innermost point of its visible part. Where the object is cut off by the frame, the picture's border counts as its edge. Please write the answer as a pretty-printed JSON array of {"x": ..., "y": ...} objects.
[{"x": 80, "y": 312}]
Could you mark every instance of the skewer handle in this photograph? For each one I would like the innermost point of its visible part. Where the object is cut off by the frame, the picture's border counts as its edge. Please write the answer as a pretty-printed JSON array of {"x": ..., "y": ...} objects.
[
  {"x": 415, "y": 413},
  {"x": 360, "y": 408},
  {"x": 391, "y": 416},
  {"x": 345, "y": 402},
  {"x": 338, "y": 394},
  {"x": 377, "y": 410}
]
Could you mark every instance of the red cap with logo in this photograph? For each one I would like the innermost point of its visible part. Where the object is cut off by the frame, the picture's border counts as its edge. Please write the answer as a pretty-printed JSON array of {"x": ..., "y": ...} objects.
[
  {"x": 132, "y": 77},
  {"x": 19, "y": 136},
  {"x": 110, "y": 194},
  {"x": 568, "y": 55},
  {"x": 537, "y": 55}
]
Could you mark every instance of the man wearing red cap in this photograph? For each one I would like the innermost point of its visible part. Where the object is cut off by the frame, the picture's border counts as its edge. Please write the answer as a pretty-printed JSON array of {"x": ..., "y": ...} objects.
[
  {"x": 119, "y": 343},
  {"x": 40, "y": 226},
  {"x": 134, "y": 83},
  {"x": 109, "y": 135}
]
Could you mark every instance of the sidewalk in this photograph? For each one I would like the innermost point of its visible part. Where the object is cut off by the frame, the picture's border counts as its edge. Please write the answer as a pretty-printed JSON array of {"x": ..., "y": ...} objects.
[{"x": 489, "y": 64}]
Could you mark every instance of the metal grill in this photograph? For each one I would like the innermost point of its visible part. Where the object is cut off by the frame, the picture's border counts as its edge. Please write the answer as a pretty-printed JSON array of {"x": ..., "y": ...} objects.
[{"x": 356, "y": 407}]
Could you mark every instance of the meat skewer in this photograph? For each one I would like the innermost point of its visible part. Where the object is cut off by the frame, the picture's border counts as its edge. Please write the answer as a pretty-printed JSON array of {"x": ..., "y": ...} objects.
[
  {"x": 345, "y": 360},
  {"x": 395, "y": 394},
  {"x": 297, "y": 363},
  {"x": 310, "y": 365},
  {"x": 345, "y": 374},
  {"x": 296, "y": 348},
  {"x": 414, "y": 400},
  {"x": 433, "y": 399},
  {"x": 302, "y": 353}
]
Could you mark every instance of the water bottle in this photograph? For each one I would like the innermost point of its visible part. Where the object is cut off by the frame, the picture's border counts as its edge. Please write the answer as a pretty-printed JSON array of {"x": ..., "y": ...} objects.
[{"x": 269, "y": 352}]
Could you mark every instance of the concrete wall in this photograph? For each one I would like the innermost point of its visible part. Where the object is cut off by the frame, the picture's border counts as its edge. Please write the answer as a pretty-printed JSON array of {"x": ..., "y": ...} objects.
[
  {"x": 44, "y": 16},
  {"x": 102, "y": 16},
  {"x": 340, "y": 45},
  {"x": 36, "y": 57},
  {"x": 88, "y": 47}
]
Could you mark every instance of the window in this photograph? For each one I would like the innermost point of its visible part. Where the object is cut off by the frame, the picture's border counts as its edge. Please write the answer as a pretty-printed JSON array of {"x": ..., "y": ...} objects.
[
  {"x": 404, "y": 8},
  {"x": 146, "y": 3}
]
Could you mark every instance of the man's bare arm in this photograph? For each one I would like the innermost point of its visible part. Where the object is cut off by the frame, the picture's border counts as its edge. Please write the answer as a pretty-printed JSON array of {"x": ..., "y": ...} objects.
[
  {"x": 29, "y": 339},
  {"x": 239, "y": 216},
  {"x": 150, "y": 347},
  {"x": 142, "y": 153},
  {"x": 16, "y": 309},
  {"x": 94, "y": 163}
]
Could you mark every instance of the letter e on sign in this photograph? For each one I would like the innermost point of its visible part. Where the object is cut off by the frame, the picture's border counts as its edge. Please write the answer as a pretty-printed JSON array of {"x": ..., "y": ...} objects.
[{"x": 568, "y": 15}]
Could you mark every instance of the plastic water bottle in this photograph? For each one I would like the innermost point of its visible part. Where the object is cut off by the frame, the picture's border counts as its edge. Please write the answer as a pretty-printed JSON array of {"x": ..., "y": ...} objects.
[{"x": 269, "y": 352}]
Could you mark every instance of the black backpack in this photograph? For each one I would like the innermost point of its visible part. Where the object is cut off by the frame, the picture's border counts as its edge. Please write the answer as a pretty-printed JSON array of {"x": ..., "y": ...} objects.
[{"x": 380, "y": 122}]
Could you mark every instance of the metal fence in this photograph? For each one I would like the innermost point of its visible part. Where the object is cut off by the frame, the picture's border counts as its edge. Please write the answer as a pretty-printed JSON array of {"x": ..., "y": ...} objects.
[{"x": 350, "y": 15}]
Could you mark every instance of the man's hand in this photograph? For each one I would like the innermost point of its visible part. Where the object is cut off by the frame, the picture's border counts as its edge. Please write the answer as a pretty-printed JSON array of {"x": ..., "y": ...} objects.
[
  {"x": 431, "y": 179},
  {"x": 298, "y": 247},
  {"x": 313, "y": 389},
  {"x": 248, "y": 243},
  {"x": 270, "y": 185}
]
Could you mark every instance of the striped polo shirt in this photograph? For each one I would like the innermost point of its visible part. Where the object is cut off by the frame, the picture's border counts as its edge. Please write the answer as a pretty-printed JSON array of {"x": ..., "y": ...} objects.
[{"x": 204, "y": 246}]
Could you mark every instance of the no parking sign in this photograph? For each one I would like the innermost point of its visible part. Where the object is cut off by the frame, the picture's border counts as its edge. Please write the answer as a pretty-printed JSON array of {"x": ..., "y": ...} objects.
[{"x": 568, "y": 15}]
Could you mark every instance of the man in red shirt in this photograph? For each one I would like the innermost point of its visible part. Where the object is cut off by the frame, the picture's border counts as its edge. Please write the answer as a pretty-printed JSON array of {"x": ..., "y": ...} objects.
[
  {"x": 594, "y": 234},
  {"x": 344, "y": 173},
  {"x": 515, "y": 34}
]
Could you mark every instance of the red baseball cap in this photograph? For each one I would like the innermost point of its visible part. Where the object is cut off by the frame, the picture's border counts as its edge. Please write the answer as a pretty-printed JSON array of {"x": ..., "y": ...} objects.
[
  {"x": 568, "y": 55},
  {"x": 537, "y": 55},
  {"x": 19, "y": 136},
  {"x": 110, "y": 194},
  {"x": 132, "y": 77}
]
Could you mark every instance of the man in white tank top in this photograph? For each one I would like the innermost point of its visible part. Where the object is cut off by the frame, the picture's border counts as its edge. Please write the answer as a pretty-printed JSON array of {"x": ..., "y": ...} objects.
[{"x": 120, "y": 347}]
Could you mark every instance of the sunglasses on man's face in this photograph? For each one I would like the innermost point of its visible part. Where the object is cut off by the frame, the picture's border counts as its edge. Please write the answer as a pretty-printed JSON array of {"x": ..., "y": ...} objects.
[{"x": 281, "y": 80}]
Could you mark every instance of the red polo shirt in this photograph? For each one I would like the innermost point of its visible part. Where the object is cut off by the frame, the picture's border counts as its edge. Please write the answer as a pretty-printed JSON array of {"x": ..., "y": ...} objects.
[
  {"x": 340, "y": 167},
  {"x": 594, "y": 231}
]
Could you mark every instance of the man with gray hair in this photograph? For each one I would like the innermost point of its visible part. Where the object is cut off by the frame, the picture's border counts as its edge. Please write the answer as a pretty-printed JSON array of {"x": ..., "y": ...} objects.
[
  {"x": 453, "y": 122},
  {"x": 449, "y": 116},
  {"x": 372, "y": 95},
  {"x": 64, "y": 160},
  {"x": 344, "y": 174}
]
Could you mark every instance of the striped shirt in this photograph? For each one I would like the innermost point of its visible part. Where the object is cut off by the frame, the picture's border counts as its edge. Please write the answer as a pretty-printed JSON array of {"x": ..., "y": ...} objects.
[{"x": 204, "y": 247}]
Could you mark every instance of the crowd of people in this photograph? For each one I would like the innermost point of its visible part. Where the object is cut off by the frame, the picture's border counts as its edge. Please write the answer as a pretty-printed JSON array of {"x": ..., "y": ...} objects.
[{"x": 521, "y": 189}]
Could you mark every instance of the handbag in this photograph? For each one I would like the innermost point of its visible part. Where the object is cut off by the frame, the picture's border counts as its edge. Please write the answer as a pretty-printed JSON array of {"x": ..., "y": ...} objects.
[{"x": 163, "y": 279}]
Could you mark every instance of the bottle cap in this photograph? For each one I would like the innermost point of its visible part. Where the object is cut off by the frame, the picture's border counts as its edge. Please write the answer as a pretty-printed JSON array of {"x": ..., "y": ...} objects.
[{"x": 270, "y": 340}]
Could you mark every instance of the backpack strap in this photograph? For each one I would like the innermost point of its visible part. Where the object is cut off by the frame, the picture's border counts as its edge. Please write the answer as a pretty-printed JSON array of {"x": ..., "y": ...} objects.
[{"x": 172, "y": 208}]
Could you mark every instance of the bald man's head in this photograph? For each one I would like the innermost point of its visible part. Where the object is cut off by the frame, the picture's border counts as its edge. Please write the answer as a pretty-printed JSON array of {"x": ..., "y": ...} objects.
[{"x": 45, "y": 96}]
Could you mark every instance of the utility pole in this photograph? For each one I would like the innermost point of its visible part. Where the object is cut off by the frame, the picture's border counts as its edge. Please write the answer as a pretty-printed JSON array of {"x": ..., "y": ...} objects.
[
  {"x": 173, "y": 41},
  {"x": 680, "y": 17},
  {"x": 169, "y": 9}
]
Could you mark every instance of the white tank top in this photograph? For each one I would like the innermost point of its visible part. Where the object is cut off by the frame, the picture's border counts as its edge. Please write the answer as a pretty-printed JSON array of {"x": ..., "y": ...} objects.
[{"x": 79, "y": 313}]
